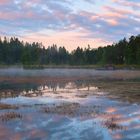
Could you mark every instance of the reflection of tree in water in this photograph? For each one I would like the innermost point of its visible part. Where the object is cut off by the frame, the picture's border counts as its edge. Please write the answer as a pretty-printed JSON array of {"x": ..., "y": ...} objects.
[
  {"x": 55, "y": 85},
  {"x": 13, "y": 90},
  {"x": 52, "y": 85},
  {"x": 83, "y": 83},
  {"x": 16, "y": 86},
  {"x": 8, "y": 93}
]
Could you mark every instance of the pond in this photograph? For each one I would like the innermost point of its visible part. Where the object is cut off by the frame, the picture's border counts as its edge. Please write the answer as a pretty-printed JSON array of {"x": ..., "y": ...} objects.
[{"x": 70, "y": 110}]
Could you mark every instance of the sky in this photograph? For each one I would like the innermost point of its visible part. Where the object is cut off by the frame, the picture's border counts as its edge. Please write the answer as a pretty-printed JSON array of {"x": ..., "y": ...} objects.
[{"x": 70, "y": 23}]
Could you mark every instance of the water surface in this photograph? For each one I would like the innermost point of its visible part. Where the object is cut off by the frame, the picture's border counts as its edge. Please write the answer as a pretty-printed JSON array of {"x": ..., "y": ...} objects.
[{"x": 78, "y": 110}]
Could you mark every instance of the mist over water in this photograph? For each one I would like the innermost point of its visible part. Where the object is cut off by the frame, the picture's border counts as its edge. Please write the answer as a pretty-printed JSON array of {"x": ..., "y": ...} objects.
[{"x": 61, "y": 72}]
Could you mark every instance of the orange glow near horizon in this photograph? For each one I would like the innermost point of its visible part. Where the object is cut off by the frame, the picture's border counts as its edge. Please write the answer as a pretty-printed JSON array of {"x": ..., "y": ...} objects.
[{"x": 71, "y": 40}]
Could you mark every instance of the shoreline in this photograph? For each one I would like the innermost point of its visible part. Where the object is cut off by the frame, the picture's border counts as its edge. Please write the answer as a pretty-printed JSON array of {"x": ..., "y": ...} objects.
[{"x": 96, "y": 67}]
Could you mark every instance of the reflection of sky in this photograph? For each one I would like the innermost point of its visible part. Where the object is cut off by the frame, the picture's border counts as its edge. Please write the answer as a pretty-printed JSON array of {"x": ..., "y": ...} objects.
[
  {"x": 113, "y": 119},
  {"x": 53, "y": 92}
]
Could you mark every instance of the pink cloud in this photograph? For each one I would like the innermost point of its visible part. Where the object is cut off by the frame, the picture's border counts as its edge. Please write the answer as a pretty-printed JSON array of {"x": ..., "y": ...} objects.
[
  {"x": 113, "y": 22},
  {"x": 68, "y": 39},
  {"x": 79, "y": 24},
  {"x": 16, "y": 15},
  {"x": 4, "y": 2},
  {"x": 127, "y": 3},
  {"x": 8, "y": 15}
]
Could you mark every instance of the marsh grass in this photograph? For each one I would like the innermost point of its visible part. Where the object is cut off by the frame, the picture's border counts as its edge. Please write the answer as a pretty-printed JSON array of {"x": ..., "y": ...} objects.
[
  {"x": 10, "y": 116},
  {"x": 7, "y": 106}
]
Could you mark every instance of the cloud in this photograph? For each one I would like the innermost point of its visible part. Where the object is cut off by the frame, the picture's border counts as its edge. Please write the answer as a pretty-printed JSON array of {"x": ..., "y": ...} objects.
[
  {"x": 135, "y": 4},
  {"x": 4, "y": 2},
  {"x": 106, "y": 21},
  {"x": 66, "y": 39}
]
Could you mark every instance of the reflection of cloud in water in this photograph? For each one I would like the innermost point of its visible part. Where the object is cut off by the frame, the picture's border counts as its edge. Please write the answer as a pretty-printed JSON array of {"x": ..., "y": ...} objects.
[
  {"x": 111, "y": 109},
  {"x": 48, "y": 94},
  {"x": 77, "y": 129},
  {"x": 4, "y": 132},
  {"x": 73, "y": 110},
  {"x": 52, "y": 89},
  {"x": 117, "y": 136}
]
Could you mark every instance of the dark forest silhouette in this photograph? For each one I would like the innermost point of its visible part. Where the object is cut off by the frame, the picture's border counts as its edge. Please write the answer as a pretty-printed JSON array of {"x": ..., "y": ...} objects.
[{"x": 13, "y": 52}]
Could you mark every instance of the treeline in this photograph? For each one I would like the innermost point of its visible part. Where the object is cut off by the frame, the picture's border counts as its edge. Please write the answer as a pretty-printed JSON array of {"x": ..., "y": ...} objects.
[{"x": 13, "y": 52}]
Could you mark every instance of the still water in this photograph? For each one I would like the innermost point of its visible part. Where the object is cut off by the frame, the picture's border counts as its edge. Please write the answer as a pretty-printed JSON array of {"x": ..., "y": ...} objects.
[{"x": 79, "y": 110}]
